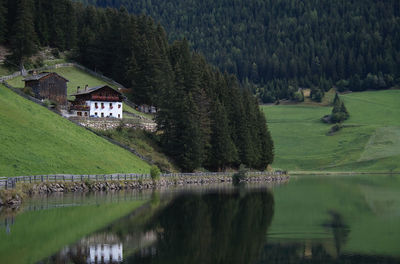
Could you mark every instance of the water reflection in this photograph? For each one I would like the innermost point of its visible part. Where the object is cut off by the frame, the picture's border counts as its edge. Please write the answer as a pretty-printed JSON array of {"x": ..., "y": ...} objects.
[
  {"x": 210, "y": 228},
  {"x": 234, "y": 226},
  {"x": 217, "y": 227}
]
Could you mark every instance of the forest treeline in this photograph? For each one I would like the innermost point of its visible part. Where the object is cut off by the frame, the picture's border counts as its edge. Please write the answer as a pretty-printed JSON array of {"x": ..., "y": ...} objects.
[
  {"x": 205, "y": 119},
  {"x": 277, "y": 46}
]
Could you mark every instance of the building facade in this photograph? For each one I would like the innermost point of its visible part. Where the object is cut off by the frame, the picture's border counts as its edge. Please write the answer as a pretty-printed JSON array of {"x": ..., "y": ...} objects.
[{"x": 101, "y": 101}]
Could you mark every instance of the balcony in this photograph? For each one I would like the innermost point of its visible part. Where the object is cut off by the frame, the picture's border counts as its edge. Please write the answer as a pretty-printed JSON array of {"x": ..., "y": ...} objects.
[
  {"x": 80, "y": 107},
  {"x": 105, "y": 98}
]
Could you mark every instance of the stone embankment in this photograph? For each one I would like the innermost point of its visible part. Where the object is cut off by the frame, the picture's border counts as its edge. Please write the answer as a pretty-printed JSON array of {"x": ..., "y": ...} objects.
[{"x": 52, "y": 187}]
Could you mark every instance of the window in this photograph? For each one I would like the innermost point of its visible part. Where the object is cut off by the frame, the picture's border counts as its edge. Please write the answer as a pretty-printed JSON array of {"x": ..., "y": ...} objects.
[
  {"x": 86, "y": 113},
  {"x": 102, "y": 105},
  {"x": 119, "y": 105},
  {"x": 119, "y": 116},
  {"x": 79, "y": 113},
  {"x": 102, "y": 114},
  {"x": 110, "y": 114},
  {"x": 96, "y": 106},
  {"x": 95, "y": 114},
  {"x": 111, "y": 106}
]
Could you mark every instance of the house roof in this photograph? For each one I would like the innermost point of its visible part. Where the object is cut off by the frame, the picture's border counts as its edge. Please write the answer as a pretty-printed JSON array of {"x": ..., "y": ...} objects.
[
  {"x": 93, "y": 89},
  {"x": 39, "y": 76}
]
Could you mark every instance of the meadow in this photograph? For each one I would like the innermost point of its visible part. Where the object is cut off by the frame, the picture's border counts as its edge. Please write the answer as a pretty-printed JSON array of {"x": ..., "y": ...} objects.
[
  {"x": 368, "y": 142},
  {"x": 37, "y": 141},
  {"x": 75, "y": 76}
]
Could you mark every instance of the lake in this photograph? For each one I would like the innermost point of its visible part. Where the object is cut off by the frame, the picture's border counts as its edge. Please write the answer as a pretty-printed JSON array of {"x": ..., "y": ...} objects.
[{"x": 310, "y": 219}]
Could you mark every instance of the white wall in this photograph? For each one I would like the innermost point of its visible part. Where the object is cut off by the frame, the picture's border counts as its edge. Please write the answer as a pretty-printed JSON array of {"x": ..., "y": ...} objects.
[{"x": 107, "y": 110}]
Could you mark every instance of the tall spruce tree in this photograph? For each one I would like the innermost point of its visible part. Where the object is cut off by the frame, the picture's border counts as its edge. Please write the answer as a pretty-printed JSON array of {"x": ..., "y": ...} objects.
[
  {"x": 223, "y": 152},
  {"x": 3, "y": 24},
  {"x": 339, "y": 111},
  {"x": 24, "y": 39}
]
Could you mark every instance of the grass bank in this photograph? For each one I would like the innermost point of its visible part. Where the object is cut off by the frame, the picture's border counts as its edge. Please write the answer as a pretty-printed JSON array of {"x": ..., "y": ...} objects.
[
  {"x": 143, "y": 143},
  {"x": 369, "y": 142},
  {"x": 35, "y": 141}
]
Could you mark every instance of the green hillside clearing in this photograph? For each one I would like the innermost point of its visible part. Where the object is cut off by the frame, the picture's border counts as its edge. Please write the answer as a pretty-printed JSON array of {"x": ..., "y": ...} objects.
[
  {"x": 36, "y": 141},
  {"x": 368, "y": 142},
  {"x": 75, "y": 76}
]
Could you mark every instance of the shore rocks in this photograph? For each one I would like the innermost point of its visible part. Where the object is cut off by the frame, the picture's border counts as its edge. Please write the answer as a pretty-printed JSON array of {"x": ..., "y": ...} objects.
[
  {"x": 48, "y": 187},
  {"x": 12, "y": 202}
]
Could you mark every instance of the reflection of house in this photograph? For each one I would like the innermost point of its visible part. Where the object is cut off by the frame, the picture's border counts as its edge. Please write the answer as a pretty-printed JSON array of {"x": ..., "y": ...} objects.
[
  {"x": 105, "y": 253},
  {"x": 48, "y": 85},
  {"x": 101, "y": 101}
]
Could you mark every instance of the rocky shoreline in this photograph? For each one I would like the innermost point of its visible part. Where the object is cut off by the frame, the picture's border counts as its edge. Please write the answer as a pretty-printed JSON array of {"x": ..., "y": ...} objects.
[{"x": 13, "y": 198}]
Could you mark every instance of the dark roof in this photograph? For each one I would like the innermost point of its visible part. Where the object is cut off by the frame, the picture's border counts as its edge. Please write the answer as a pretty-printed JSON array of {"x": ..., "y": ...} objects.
[
  {"x": 93, "y": 89},
  {"x": 39, "y": 76}
]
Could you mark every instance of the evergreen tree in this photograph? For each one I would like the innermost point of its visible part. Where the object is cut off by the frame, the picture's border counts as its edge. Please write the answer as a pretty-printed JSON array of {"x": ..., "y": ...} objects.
[
  {"x": 339, "y": 111},
  {"x": 3, "y": 25},
  {"x": 24, "y": 39},
  {"x": 223, "y": 151}
]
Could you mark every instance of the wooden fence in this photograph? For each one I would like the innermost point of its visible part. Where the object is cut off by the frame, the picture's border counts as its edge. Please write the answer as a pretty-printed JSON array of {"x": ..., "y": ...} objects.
[{"x": 9, "y": 183}]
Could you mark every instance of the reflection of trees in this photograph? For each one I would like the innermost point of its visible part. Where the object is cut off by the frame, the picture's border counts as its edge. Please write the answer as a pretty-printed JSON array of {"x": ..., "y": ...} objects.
[
  {"x": 211, "y": 228},
  {"x": 339, "y": 229}
]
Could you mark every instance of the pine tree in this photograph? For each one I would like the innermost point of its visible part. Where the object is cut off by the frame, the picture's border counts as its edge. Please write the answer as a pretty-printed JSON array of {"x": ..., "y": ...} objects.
[
  {"x": 24, "y": 38},
  {"x": 339, "y": 111},
  {"x": 223, "y": 151},
  {"x": 3, "y": 25}
]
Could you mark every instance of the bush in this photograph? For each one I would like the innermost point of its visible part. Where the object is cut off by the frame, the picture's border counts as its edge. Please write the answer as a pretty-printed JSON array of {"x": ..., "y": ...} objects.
[
  {"x": 298, "y": 96},
  {"x": 28, "y": 91},
  {"x": 241, "y": 175},
  {"x": 155, "y": 173}
]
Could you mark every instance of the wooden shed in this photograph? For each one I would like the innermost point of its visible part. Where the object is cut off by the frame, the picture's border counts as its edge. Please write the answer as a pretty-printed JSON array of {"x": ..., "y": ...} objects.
[{"x": 48, "y": 85}]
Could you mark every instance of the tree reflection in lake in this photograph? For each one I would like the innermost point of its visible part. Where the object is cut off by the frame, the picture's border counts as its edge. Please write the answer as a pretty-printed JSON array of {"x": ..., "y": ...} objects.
[
  {"x": 210, "y": 228},
  {"x": 224, "y": 226}
]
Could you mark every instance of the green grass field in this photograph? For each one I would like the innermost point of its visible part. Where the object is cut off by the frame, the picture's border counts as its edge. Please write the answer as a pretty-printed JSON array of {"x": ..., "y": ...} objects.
[
  {"x": 370, "y": 140},
  {"x": 35, "y": 141},
  {"x": 75, "y": 76}
]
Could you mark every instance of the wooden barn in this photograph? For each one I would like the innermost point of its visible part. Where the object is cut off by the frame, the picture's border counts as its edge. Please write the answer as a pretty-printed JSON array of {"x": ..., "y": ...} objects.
[{"x": 48, "y": 85}]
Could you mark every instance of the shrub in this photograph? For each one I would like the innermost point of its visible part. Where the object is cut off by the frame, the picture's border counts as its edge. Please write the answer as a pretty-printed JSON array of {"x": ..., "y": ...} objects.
[
  {"x": 241, "y": 175},
  {"x": 155, "y": 173}
]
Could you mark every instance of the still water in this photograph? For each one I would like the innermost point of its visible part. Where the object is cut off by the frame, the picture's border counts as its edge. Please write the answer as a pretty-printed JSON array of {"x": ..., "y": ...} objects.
[{"x": 310, "y": 219}]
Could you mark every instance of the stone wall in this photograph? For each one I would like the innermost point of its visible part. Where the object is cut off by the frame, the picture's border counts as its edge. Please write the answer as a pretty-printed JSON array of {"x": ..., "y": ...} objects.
[
  {"x": 98, "y": 123},
  {"x": 53, "y": 187}
]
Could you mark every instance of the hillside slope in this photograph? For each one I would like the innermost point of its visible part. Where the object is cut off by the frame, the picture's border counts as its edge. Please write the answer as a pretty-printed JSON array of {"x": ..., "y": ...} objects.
[
  {"x": 36, "y": 141},
  {"x": 369, "y": 142}
]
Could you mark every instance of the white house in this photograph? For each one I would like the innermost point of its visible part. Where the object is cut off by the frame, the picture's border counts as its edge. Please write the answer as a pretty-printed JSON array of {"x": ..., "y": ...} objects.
[{"x": 101, "y": 101}]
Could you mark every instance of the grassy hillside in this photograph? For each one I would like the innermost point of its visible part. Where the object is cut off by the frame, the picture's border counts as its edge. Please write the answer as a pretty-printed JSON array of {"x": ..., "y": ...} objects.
[
  {"x": 36, "y": 141},
  {"x": 369, "y": 142},
  {"x": 143, "y": 144},
  {"x": 75, "y": 76}
]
